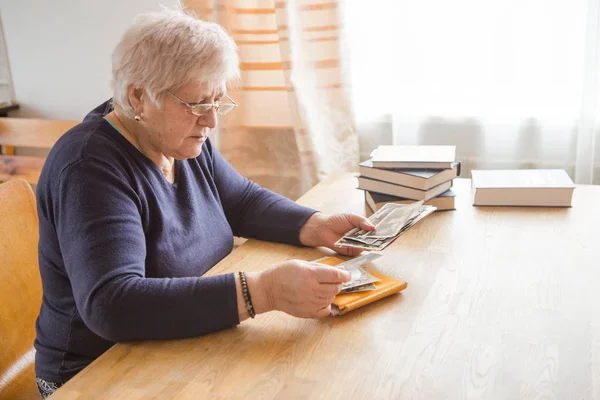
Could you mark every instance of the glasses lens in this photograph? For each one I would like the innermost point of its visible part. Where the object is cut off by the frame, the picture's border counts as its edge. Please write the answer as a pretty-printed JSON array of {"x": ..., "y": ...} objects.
[
  {"x": 201, "y": 109},
  {"x": 226, "y": 108}
]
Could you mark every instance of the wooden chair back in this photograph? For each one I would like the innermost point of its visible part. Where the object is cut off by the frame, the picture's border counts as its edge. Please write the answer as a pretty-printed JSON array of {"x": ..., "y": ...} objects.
[
  {"x": 20, "y": 289},
  {"x": 27, "y": 133}
]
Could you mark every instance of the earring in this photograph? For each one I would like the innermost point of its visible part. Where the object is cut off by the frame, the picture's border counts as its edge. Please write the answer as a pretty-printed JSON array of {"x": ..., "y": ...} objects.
[{"x": 137, "y": 118}]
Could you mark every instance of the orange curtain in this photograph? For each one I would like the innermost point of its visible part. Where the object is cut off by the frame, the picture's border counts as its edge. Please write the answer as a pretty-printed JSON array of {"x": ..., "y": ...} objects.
[{"x": 294, "y": 125}]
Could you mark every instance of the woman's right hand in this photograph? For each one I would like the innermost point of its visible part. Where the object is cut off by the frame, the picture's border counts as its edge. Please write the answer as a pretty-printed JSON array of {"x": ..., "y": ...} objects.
[{"x": 299, "y": 288}]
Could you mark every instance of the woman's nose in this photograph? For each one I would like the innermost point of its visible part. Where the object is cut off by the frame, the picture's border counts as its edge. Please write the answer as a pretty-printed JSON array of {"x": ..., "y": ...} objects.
[{"x": 209, "y": 119}]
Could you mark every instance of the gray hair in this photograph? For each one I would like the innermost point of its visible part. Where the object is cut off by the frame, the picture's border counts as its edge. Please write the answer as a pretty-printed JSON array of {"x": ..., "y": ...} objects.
[{"x": 168, "y": 49}]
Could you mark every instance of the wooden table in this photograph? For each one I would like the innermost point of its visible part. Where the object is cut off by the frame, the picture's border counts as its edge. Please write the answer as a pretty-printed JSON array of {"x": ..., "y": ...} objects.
[
  {"x": 502, "y": 303},
  {"x": 5, "y": 108}
]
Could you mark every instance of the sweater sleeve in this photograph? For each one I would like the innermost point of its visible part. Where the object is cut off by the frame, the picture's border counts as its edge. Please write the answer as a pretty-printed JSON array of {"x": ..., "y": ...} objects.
[
  {"x": 255, "y": 212},
  {"x": 98, "y": 221}
]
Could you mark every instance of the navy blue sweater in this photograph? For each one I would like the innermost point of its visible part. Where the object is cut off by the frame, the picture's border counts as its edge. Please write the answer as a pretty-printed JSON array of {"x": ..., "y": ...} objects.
[{"x": 122, "y": 250}]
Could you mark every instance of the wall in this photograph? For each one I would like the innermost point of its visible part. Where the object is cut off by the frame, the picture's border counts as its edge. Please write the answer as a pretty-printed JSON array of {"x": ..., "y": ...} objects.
[{"x": 60, "y": 51}]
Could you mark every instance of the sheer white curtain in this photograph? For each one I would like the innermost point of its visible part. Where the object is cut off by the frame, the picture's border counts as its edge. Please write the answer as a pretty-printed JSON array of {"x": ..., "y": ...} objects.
[{"x": 512, "y": 83}]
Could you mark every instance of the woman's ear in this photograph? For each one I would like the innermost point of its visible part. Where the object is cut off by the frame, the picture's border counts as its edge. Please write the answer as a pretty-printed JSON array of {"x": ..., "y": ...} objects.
[{"x": 136, "y": 98}]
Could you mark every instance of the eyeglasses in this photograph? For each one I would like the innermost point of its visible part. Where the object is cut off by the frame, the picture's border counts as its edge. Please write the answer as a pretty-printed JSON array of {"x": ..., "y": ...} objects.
[{"x": 203, "y": 109}]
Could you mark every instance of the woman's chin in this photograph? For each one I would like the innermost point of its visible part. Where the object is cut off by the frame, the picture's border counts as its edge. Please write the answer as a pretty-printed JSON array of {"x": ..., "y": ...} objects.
[
  {"x": 190, "y": 152},
  {"x": 195, "y": 148}
]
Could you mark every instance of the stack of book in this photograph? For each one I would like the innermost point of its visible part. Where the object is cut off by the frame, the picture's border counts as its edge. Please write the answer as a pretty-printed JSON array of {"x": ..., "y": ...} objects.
[{"x": 405, "y": 174}]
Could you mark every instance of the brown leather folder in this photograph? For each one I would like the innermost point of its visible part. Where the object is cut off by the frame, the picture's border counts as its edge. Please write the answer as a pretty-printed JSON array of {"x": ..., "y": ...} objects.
[{"x": 346, "y": 302}]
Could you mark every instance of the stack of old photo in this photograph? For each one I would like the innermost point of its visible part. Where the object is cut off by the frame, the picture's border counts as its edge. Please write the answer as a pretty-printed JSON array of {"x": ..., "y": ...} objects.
[
  {"x": 391, "y": 221},
  {"x": 360, "y": 278},
  {"x": 365, "y": 286},
  {"x": 405, "y": 174}
]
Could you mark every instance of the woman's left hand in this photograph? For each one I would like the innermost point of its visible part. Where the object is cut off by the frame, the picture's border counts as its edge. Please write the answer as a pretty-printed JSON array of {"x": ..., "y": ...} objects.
[{"x": 323, "y": 230}]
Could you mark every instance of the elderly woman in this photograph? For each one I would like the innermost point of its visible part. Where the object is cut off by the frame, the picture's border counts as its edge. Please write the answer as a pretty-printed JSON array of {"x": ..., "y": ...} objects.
[{"x": 135, "y": 205}]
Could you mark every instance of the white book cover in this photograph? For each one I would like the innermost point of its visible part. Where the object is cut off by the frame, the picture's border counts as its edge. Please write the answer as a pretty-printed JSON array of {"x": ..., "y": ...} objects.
[
  {"x": 524, "y": 187},
  {"x": 521, "y": 178},
  {"x": 415, "y": 154},
  {"x": 422, "y": 179}
]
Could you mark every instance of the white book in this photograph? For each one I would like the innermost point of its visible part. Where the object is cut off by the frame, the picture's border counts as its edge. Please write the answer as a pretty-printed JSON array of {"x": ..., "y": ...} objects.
[
  {"x": 422, "y": 179},
  {"x": 522, "y": 187},
  {"x": 373, "y": 185},
  {"x": 444, "y": 201},
  {"x": 421, "y": 157}
]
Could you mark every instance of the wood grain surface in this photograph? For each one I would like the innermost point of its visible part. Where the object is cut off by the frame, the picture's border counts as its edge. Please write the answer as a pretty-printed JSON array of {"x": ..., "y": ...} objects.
[
  {"x": 501, "y": 304},
  {"x": 34, "y": 133},
  {"x": 20, "y": 290},
  {"x": 38, "y": 134},
  {"x": 24, "y": 167}
]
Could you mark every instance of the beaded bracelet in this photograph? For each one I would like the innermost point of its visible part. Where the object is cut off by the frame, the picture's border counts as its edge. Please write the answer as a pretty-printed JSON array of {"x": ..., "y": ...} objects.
[{"x": 247, "y": 297}]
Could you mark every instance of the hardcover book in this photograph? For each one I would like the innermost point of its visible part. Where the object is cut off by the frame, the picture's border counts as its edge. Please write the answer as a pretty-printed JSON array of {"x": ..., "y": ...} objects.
[
  {"x": 422, "y": 179},
  {"x": 420, "y": 157},
  {"x": 373, "y": 185},
  {"x": 443, "y": 202},
  {"x": 522, "y": 187}
]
